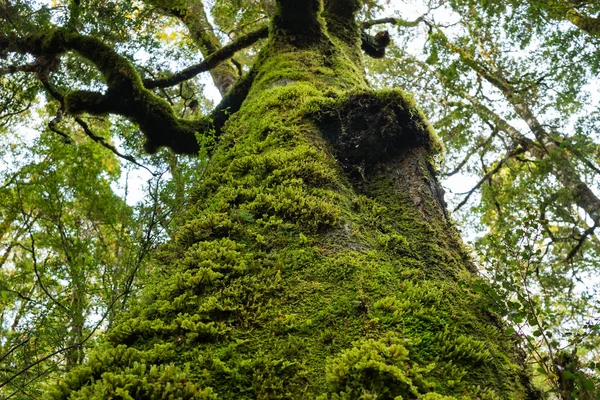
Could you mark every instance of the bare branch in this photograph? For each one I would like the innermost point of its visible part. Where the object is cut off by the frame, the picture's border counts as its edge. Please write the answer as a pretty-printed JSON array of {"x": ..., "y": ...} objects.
[
  {"x": 72, "y": 346},
  {"x": 15, "y": 347},
  {"x": 52, "y": 126},
  {"x": 211, "y": 61},
  {"x": 193, "y": 15},
  {"x": 106, "y": 145},
  {"x": 39, "y": 279},
  {"x": 484, "y": 145},
  {"x": 580, "y": 242},
  {"x": 38, "y": 376},
  {"x": 8, "y": 116},
  {"x": 504, "y": 160}
]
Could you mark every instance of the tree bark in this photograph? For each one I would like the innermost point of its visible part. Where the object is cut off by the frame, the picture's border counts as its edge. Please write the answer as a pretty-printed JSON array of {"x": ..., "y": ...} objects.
[{"x": 317, "y": 260}]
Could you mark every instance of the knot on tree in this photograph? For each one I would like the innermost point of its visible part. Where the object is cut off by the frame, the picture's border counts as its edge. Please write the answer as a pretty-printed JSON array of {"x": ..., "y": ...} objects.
[
  {"x": 367, "y": 128},
  {"x": 374, "y": 46}
]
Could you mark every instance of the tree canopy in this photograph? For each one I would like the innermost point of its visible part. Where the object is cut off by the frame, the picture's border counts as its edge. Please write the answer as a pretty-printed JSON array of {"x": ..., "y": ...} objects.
[{"x": 98, "y": 96}]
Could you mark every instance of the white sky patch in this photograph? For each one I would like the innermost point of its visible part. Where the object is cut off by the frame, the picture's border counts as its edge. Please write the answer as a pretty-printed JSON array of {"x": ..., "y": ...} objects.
[
  {"x": 460, "y": 183},
  {"x": 132, "y": 185}
]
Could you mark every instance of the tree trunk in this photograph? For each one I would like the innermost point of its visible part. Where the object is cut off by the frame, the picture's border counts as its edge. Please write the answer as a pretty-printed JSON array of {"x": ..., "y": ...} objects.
[{"x": 317, "y": 260}]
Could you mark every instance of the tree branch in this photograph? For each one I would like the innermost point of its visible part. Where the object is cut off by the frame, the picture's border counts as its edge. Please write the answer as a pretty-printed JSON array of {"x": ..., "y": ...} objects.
[
  {"x": 63, "y": 349},
  {"x": 504, "y": 160},
  {"x": 580, "y": 242},
  {"x": 100, "y": 140},
  {"x": 482, "y": 145},
  {"x": 193, "y": 16},
  {"x": 125, "y": 95},
  {"x": 15, "y": 347},
  {"x": 393, "y": 21},
  {"x": 21, "y": 389},
  {"x": 9, "y": 115},
  {"x": 563, "y": 168},
  {"x": 588, "y": 24},
  {"x": 211, "y": 61},
  {"x": 39, "y": 279}
]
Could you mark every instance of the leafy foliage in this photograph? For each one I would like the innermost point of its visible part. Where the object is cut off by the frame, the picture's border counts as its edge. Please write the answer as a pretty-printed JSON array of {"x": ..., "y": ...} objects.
[{"x": 510, "y": 88}]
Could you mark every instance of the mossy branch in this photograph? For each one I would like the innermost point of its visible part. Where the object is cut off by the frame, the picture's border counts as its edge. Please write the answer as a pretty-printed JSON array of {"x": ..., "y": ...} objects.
[
  {"x": 587, "y": 23},
  {"x": 393, "y": 21},
  {"x": 211, "y": 61},
  {"x": 52, "y": 125},
  {"x": 126, "y": 95}
]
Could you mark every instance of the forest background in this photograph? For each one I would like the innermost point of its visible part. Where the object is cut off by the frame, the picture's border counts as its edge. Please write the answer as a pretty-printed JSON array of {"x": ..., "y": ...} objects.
[{"x": 511, "y": 89}]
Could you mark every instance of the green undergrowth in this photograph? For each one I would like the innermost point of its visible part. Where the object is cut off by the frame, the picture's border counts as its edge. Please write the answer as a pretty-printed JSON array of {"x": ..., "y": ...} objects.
[{"x": 292, "y": 280}]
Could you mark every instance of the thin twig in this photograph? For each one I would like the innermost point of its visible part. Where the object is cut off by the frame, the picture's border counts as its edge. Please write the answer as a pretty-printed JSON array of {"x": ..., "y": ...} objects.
[
  {"x": 105, "y": 144},
  {"x": 501, "y": 163},
  {"x": 28, "y": 382},
  {"x": 580, "y": 242},
  {"x": 483, "y": 145},
  {"x": 39, "y": 279},
  {"x": 16, "y": 346},
  {"x": 7, "y": 116},
  {"x": 63, "y": 349}
]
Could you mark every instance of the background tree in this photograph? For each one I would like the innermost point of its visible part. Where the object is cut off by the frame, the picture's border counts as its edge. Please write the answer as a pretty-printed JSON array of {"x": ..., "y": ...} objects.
[
  {"x": 510, "y": 86},
  {"x": 277, "y": 244}
]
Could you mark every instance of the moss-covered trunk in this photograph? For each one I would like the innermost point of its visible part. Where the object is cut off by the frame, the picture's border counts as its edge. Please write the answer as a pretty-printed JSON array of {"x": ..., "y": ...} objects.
[{"x": 317, "y": 260}]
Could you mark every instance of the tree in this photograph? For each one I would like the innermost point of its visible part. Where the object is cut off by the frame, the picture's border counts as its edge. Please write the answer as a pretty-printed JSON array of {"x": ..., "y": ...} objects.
[{"x": 316, "y": 258}]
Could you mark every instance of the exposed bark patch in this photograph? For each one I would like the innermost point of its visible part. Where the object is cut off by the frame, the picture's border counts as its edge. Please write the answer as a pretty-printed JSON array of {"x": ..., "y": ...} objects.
[{"x": 367, "y": 128}]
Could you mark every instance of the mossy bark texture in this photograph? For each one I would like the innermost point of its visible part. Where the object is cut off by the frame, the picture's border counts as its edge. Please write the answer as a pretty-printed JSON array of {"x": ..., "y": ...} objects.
[{"x": 317, "y": 260}]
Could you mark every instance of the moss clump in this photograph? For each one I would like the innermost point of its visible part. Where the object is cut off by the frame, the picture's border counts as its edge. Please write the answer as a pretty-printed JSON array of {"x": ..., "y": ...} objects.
[
  {"x": 142, "y": 382},
  {"x": 127, "y": 373},
  {"x": 375, "y": 369}
]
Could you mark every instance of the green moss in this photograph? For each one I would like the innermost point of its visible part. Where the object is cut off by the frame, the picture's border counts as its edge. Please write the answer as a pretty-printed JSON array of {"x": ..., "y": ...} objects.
[
  {"x": 142, "y": 382},
  {"x": 373, "y": 369},
  {"x": 126, "y": 94},
  {"x": 292, "y": 279}
]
